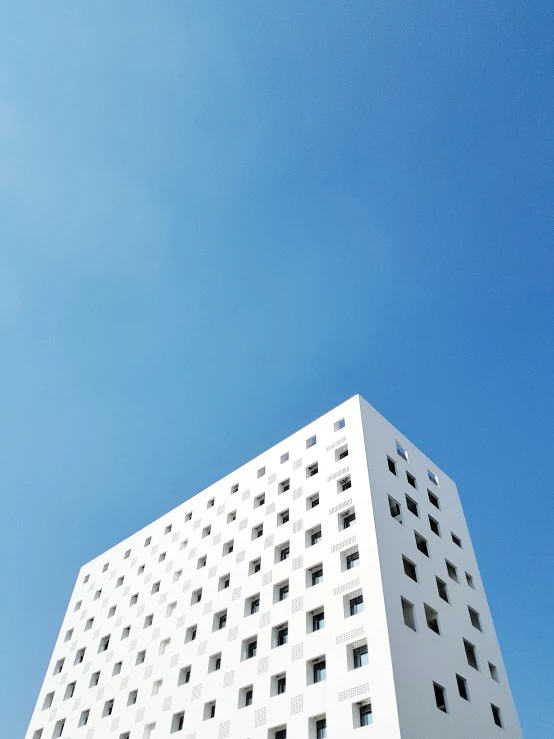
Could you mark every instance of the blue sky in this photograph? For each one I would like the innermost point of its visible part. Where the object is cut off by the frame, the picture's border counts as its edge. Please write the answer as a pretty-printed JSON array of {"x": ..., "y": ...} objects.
[{"x": 219, "y": 220}]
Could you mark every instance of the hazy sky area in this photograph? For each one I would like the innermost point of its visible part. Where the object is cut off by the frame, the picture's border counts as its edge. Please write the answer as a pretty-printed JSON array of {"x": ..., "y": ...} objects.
[{"x": 218, "y": 221}]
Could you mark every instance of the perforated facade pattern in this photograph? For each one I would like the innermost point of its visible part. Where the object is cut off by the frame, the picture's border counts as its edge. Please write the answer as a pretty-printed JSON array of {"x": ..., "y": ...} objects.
[{"x": 294, "y": 596}]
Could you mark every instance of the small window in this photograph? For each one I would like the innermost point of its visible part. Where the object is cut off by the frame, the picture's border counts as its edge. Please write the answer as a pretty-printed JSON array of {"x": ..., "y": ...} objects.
[
  {"x": 108, "y": 708},
  {"x": 356, "y": 605},
  {"x": 341, "y": 453},
  {"x": 224, "y": 582},
  {"x": 312, "y": 470},
  {"x": 105, "y": 567},
  {"x": 320, "y": 671},
  {"x": 352, "y": 560},
  {"x": 147, "y": 541},
  {"x": 392, "y": 465},
  {"x": 58, "y": 728},
  {"x": 471, "y": 655},
  {"x": 94, "y": 679},
  {"x": 196, "y": 596},
  {"x": 134, "y": 599},
  {"x": 87, "y": 578},
  {"x": 442, "y": 590},
  {"x": 434, "y": 526},
  {"x": 177, "y": 722},
  {"x": 252, "y": 605},
  {"x": 284, "y": 486},
  {"x": 412, "y": 506},
  {"x": 141, "y": 569},
  {"x": 257, "y": 531},
  {"x": 344, "y": 484},
  {"x": 215, "y": 662},
  {"x": 104, "y": 643},
  {"x": 119, "y": 582},
  {"x": 321, "y": 728},
  {"x": 211, "y": 503},
  {"x": 283, "y": 517},
  {"x": 78, "y": 605},
  {"x": 231, "y": 517},
  {"x": 280, "y": 684},
  {"x": 347, "y": 519},
  {"x": 177, "y": 575},
  {"x": 141, "y": 656},
  {"x": 440, "y": 697},
  {"x": 284, "y": 457},
  {"x": 402, "y": 452},
  {"x": 83, "y": 719},
  {"x": 283, "y": 591},
  {"x": 432, "y": 618},
  {"x": 68, "y": 635},
  {"x": 261, "y": 472},
  {"x": 315, "y": 536},
  {"x": 365, "y": 714},
  {"x": 259, "y": 501},
  {"x": 494, "y": 672},
  {"x": 255, "y": 566},
  {"x": 470, "y": 581},
  {"x": 317, "y": 575},
  {"x": 88, "y": 624},
  {"x": 280, "y": 635},
  {"x": 69, "y": 691},
  {"x": 206, "y": 531},
  {"x": 433, "y": 499},
  {"x": 282, "y": 552},
  {"x": 190, "y": 634},
  {"x": 360, "y": 656},
  {"x": 220, "y": 620},
  {"x": 111, "y": 612},
  {"x": 280, "y": 734},
  {"x": 496, "y": 715},
  {"x": 79, "y": 656},
  {"x": 457, "y": 541},
  {"x": 408, "y": 614},
  {"x": 312, "y": 501},
  {"x": 395, "y": 510},
  {"x": 251, "y": 648},
  {"x": 475, "y": 619},
  {"x": 409, "y": 568},
  {"x": 202, "y": 561},
  {"x": 411, "y": 480},
  {"x": 126, "y": 632},
  {"x": 452, "y": 571},
  {"x": 168, "y": 529},
  {"x": 421, "y": 544},
  {"x": 246, "y": 697},
  {"x": 317, "y": 618},
  {"x": 97, "y": 594},
  {"x": 188, "y": 516},
  {"x": 48, "y": 699},
  {"x": 116, "y": 668},
  {"x": 462, "y": 687},
  {"x": 59, "y": 666},
  {"x": 234, "y": 488},
  {"x": 132, "y": 698},
  {"x": 184, "y": 675},
  {"x": 431, "y": 475},
  {"x": 228, "y": 547},
  {"x": 156, "y": 687},
  {"x": 156, "y": 587},
  {"x": 148, "y": 621},
  {"x": 312, "y": 441},
  {"x": 340, "y": 424},
  {"x": 162, "y": 557}
]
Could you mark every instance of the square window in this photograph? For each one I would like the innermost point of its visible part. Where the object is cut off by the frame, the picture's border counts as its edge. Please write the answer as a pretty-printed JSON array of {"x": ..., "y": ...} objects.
[
  {"x": 341, "y": 453},
  {"x": 148, "y": 621},
  {"x": 188, "y": 516},
  {"x": 315, "y": 575},
  {"x": 105, "y": 567},
  {"x": 434, "y": 526},
  {"x": 280, "y": 635},
  {"x": 433, "y": 499},
  {"x": 408, "y": 614},
  {"x": 79, "y": 656},
  {"x": 168, "y": 529},
  {"x": 202, "y": 562},
  {"x": 94, "y": 679},
  {"x": 119, "y": 582},
  {"x": 344, "y": 484},
  {"x": 320, "y": 670},
  {"x": 282, "y": 552},
  {"x": 147, "y": 541},
  {"x": 211, "y": 503},
  {"x": 494, "y": 672},
  {"x": 457, "y": 541},
  {"x": 471, "y": 655},
  {"x": 68, "y": 635},
  {"x": 421, "y": 544},
  {"x": 282, "y": 591},
  {"x": 250, "y": 648},
  {"x": 215, "y": 662},
  {"x": 141, "y": 569},
  {"x": 452, "y": 571},
  {"x": 356, "y": 605},
  {"x": 83, "y": 719},
  {"x": 184, "y": 675},
  {"x": 283, "y": 517},
  {"x": 340, "y": 424},
  {"x": 284, "y": 457},
  {"x": 156, "y": 587},
  {"x": 402, "y": 452},
  {"x": 432, "y": 618},
  {"x": 442, "y": 590},
  {"x": 259, "y": 501},
  {"x": 231, "y": 516},
  {"x": 255, "y": 566},
  {"x": 470, "y": 581},
  {"x": 360, "y": 656},
  {"x": 312, "y": 470},
  {"x": 316, "y": 620},
  {"x": 257, "y": 531},
  {"x": 284, "y": 486},
  {"x": 116, "y": 669},
  {"x": 312, "y": 441},
  {"x": 190, "y": 634},
  {"x": 392, "y": 465},
  {"x": 177, "y": 722},
  {"x": 347, "y": 519},
  {"x": 141, "y": 656},
  {"x": 312, "y": 501},
  {"x": 352, "y": 560},
  {"x": 395, "y": 510},
  {"x": 313, "y": 536},
  {"x": 206, "y": 531},
  {"x": 228, "y": 547},
  {"x": 431, "y": 475},
  {"x": 234, "y": 488},
  {"x": 58, "y": 728},
  {"x": 132, "y": 698},
  {"x": 475, "y": 619},
  {"x": 261, "y": 472}
]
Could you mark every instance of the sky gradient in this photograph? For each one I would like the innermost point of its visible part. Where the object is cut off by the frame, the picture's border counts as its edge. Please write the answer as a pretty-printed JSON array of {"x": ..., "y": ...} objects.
[{"x": 218, "y": 221}]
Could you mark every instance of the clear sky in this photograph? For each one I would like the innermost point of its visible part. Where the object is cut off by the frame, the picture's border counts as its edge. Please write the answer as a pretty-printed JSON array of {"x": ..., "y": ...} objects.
[{"x": 218, "y": 221}]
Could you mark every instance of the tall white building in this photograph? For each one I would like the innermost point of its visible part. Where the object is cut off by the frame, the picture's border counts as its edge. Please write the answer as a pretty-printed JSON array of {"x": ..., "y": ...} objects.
[{"x": 327, "y": 588}]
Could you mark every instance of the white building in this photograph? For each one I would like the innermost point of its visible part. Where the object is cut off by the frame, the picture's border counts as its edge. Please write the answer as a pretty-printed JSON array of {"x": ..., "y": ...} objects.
[{"x": 328, "y": 588}]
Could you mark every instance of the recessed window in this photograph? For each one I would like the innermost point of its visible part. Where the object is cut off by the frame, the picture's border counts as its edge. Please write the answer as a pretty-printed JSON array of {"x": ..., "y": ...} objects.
[
  {"x": 257, "y": 531},
  {"x": 79, "y": 656},
  {"x": 177, "y": 722},
  {"x": 116, "y": 668},
  {"x": 228, "y": 547},
  {"x": 282, "y": 552},
  {"x": 497, "y": 717},
  {"x": 231, "y": 516},
  {"x": 392, "y": 465},
  {"x": 202, "y": 562},
  {"x": 132, "y": 698},
  {"x": 59, "y": 666},
  {"x": 284, "y": 486},
  {"x": 215, "y": 662},
  {"x": 395, "y": 510},
  {"x": 316, "y": 619},
  {"x": 432, "y": 618},
  {"x": 401, "y": 452},
  {"x": 134, "y": 599},
  {"x": 140, "y": 569},
  {"x": 259, "y": 500},
  {"x": 494, "y": 672},
  {"x": 360, "y": 656},
  {"x": 409, "y": 568},
  {"x": 261, "y": 472},
  {"x": 316, "y": 575},
  {"x": 69, "y": 691},
  {"x": 475, "y": 619},
  {"x": 312, "y": 470},
  {"x": 452, "y": 571},
  {"x": 431, "y": 475},
  {"x": 190, "y": 634},
  {"x": 312, "y": 441},
  {"x": 356, "y": 605},
  {"x": 320, "y": 728},
  {"x": 184, "y": 675},
  {"x": 365, "y": 715},
  {"x": 434, "y": 526},
  {"x": 156, "y": 687},
  {"x": 312, "y": 501},
  {"x": 88, "y": 624},
  {"x": 442, "y": 590},
  {"x": 168, "y": 529},
  {"x": 462, "y": 687},
  {"x": 177, "y": 575},
  {"x": 48, "y": 700},
  {"x": 411, "y": 480},
  {"x": 252, "y": 605},
  {"x": 440, "y": 697},
  {"x": 83, "y": 718},
  {"x": 246, "y": 696},
  {"x": 279, "y": 684},
  {"x": 68, "y": 635},
  {"x": 279, "y": 734},
  {"x": 108, "y": 708},
  {"x": 283, "y": 517},
  {"x": 421, "y": 544},
  {"x": 141, "y": 656},
  {"x": 255, "y": 566},
  {"x": 147, "y": 541},
  {"x": 87, "y": 578},
  {"x": 104, "y": 643},
  {"x": 58, "y": 728},
  {"x": 148, "y": 621},
  {"x": 250, "y": 648},
  {"x": 220, "y": 620},
  {"x": 280, "y": 635},
  {"x": 314, "y": 536},
  {"x": 341, "y": 453},
  {"x": 433, "y": 499},
  {"x": 320, "y": 671},
  {"x": 470, "y": 581},
  {"x": 162, "y": 557},
  {"x": 234, "y": 488},
  {"x": 411, "y": 505},
  {"x": 340, "y": 424},
  {"x": 408, "y": 614},
  {"x": 211, "y": 503},
  {"x": 282, "y": 591},
  {"x": 111, "y": 612},
  {"x": 94, "y": 679},
  {"x": 206, "y": 531},
  {"x": 119, "y": 582},
  {"x": 344, "y": 484},
  {"x": 126, "y": 632},
  {"x": 209, "y": 710},
  {"x": 284, "y": 457},
  {"x": 457, "y": 541},
  {"x": 471, "y": 655},
  {"x": 224, "y": 582},
  {"x": 188, "y": 516},
  {"x": 196, "y": 596},
  {"x": 105, "y": 567}
]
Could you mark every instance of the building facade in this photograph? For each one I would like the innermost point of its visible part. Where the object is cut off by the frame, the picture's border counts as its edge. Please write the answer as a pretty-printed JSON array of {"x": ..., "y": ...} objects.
[{"x": 328, "y": 588}]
